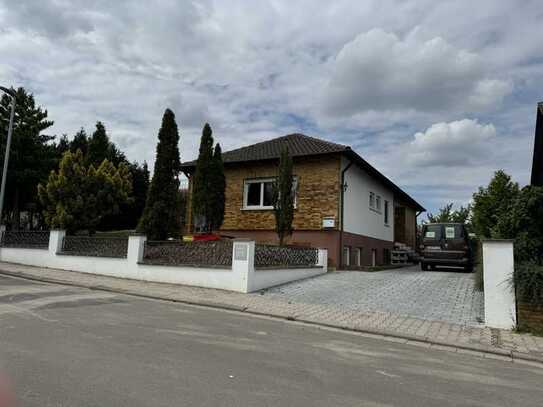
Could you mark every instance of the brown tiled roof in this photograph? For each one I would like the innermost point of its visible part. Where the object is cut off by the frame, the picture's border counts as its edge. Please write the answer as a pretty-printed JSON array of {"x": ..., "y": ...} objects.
[{"x": 300, "y": 145}]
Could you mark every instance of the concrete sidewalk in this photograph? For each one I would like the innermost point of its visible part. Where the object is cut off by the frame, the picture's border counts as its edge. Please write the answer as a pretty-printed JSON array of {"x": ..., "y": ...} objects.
[{"x": 493, "y": 343}]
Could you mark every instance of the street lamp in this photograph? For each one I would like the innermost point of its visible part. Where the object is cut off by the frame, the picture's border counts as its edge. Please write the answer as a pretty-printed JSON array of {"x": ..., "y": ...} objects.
[{"x": 11, "y": 94}]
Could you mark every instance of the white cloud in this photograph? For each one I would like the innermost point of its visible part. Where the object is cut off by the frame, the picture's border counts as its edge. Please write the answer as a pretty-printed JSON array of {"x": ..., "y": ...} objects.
[
  {"x": 256, "y": 70},
  {"x": 463, "y": 142},
  {"x": 379, "y": 71}
]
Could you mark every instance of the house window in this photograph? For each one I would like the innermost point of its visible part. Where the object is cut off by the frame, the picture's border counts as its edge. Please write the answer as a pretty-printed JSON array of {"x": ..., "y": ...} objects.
[
  {"x": 358, "y": 256},
  {"x": 372, "y": 200},
  {"x": 386, "y": 212},
  {"x": 346, "y": 256},
  {"x": 258, "y": 193},
  {"x": 378, "y": 203}
]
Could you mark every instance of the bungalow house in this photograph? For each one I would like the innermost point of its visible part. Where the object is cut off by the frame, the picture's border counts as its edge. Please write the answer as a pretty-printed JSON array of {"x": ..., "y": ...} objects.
[{"x": 342, "y": 203}]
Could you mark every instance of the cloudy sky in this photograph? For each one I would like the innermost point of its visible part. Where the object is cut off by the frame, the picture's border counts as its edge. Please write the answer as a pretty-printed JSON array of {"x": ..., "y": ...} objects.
[{"x": 436, "y": 94}]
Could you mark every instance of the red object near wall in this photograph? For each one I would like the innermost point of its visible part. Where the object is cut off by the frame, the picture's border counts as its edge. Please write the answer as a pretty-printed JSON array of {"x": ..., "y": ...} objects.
[{"x": 206, "y": 237}]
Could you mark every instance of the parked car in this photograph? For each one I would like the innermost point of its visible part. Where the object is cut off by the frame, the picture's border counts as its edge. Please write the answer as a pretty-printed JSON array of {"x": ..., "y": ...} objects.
[{"x": 445, "y": 244}]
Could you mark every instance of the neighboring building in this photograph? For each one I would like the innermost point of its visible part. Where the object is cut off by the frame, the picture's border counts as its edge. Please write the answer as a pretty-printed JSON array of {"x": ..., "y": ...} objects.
[
  {"x": 342, "y": 202},
  {"x": 537, "y": 164}
]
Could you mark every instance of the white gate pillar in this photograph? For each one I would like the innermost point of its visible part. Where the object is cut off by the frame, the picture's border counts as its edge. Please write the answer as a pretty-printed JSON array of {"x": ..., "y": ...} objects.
[{"x": 498, "y": 267}]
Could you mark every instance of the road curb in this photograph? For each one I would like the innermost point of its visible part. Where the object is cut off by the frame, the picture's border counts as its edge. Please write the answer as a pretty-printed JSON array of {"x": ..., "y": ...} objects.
[{"x": 511, "y": 355}]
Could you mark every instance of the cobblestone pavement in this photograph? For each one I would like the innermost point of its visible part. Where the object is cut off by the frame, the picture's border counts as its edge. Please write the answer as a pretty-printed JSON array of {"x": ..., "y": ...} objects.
[
  {"x": 435, "y": 296},
  {"x": 439, "y": 334}
]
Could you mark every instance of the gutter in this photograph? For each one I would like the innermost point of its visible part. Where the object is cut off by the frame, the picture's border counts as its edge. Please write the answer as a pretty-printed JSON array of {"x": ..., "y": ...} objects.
[{"x": 343, "y": 187}]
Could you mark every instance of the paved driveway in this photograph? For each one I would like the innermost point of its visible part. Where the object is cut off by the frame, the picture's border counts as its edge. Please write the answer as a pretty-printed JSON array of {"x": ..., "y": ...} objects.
[{"x": 433, "y": 295}]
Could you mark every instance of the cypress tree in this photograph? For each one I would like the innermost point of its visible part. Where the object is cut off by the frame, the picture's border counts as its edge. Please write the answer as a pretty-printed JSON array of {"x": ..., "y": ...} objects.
[
  {"x": 160, "y": 218},
  {"x": 218, "y": 186},
  {"x": 283, "y": 198},
  {"x": 202, "y": 189}
]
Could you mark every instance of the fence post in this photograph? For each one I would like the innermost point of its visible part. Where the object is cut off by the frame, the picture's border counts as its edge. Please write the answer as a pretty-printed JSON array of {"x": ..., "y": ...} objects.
[
  {"x": 498, "y": 267},
  {"x": 243, "y": 263},
  {"x": 136, "y": 246},
  {"x": 56, "y": 238},
  {"x": 322, "y": 260}
]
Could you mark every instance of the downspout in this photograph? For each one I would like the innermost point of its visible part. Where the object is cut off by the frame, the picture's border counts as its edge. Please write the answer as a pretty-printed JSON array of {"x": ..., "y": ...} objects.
[{"x": 343, "y": 187}]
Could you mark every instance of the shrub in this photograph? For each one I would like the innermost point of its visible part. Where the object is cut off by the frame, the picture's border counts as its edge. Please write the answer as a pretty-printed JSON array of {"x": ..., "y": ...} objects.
[
  {"x": 478, "y": 275},
  {"x": 528, "y": 280}
]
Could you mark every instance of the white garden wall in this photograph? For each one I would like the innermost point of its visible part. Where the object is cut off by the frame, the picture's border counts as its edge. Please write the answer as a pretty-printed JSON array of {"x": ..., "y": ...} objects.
[{"x": 241, "y": 277}]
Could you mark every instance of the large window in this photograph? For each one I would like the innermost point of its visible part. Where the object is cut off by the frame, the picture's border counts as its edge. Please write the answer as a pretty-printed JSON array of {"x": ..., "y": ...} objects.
[{"x": 258, "y": 193}]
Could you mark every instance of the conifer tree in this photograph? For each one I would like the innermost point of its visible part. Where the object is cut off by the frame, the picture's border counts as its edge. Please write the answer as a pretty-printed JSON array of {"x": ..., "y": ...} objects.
[
  {"x": 32, "y": 155},
  {"x": 202, "y": 188},
  {"x": 218, "y": 186},
  {"x": 283, "y": 198},
  {"x": 80, "y": 142},
  {"x": 160, "y": 218},
  {"x": 98, "y": 149},
  {"x": 77, "y": 196}
]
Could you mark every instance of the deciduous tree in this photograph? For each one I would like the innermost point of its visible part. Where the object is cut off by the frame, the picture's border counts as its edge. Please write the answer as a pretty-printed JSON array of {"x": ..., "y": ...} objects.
[{"x": 492, "y": 202}]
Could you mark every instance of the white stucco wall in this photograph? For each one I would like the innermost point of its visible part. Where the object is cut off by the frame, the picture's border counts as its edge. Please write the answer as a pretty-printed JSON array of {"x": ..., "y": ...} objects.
[
  {"x": 358, "y": 217},
  {"x": 241, "y": 277},
  {"x": 500, "y": 302}
]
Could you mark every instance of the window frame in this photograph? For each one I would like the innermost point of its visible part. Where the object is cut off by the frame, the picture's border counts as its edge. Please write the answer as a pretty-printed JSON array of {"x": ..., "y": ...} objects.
[
  {"x": 386, "y": 214},
  {"x": 358, "y": 256},
  {"x": 346, "y": 259},
  {"x": 262, "y": 182},
  {"x": 372, "y": 200}
]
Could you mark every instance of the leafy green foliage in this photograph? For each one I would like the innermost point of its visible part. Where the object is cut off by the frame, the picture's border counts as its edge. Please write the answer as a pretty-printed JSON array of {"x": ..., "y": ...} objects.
[
  {"x": 524, "y": 223},
  {"x": 448, "y": 215},
  {"x": 32, "y": 155},
  {"x": 490, "y": 204},
  {"x": 130, "y": 212},
  {"x": 161, "y": 216},
  {"x": 283, "y": 197},
  {"x": 77, "y": 196},
  {"x": 528, "y": 278},
  {"x": 208, "y": 184},
  {"x": 502, "y": 211}
]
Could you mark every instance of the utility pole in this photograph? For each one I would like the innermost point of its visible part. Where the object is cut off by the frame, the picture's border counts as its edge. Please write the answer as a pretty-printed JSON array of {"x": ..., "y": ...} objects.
[{"x": 11, "y": 94}]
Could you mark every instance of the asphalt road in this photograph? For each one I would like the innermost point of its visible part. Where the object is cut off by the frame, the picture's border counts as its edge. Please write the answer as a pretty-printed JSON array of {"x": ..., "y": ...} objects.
[{"x": 66, "y": 346}]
